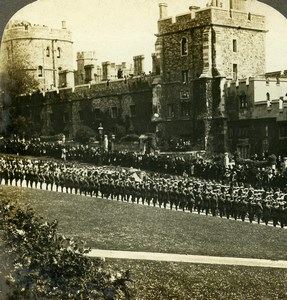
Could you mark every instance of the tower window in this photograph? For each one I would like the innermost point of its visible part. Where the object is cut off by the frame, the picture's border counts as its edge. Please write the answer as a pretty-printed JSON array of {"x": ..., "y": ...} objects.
[
  {"x": 170, "y": 110},
  {"x": 267, "y": 96},
  {"x": 59, "y": 52},
  {"x": 48, "y": 51},
  {"x": 184, "y": 76},
  {"x": 40, "y": 71},
  {"x": 234, "y": 45},
  {"x": 249, "y": 16},
  {"x": 243, "y": 101},
  {"x": 184, "y": 46},
  {"x": 235, "y": 71}
]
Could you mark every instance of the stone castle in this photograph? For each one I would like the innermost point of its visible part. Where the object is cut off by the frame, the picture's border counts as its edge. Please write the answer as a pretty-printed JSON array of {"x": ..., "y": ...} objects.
[{"x": 208, "y": 84}]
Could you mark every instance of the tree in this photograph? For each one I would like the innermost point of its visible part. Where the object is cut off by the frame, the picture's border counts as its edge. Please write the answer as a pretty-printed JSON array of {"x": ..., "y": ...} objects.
[{"x": 16, "y": 79}]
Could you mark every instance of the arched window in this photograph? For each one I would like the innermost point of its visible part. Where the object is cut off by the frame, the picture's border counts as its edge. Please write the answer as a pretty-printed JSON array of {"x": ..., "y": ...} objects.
[
  {"x": 184, "y": 46},
  {"x": 48, "y": 51},
  {"x": 267, "y": 96},
  {"x": 59, "y": 52},
  {"x": 249, "y": 16},
  {"x": 40, "y": 71}
]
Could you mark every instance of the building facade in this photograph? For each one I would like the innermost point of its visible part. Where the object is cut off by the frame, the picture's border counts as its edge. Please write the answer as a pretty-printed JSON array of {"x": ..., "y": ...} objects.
[
  {"x": 195, "y": 55},
  {"x": 208, "y": 85}
]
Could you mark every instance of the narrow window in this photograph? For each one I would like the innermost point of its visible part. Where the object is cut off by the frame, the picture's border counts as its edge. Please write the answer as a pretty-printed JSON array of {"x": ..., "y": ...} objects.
[
  {"x": 97, "y": 113},
  {"x": 267, "y": 96},
  {"x": 66, "y": 117},
  {"x": 58, "y": 52},
  {"x": 234, "y": 46},
  {"x": 249, "y": 16},
  {"x": 184, "y": 76},
  {"x": 235, "y": 71},
  {"x": 48, "y": 51},
  {"x": 170, "y": 110},
  {"x": 114, "y": 112},
  {"x": 184, "y": 46},
  {"x": 40, "y": 71}
]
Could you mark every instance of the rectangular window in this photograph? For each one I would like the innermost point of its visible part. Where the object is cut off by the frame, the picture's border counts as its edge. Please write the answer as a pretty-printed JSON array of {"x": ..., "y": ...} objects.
[
  {"x": 133, "y": 110},
  {"x": 184, "y": 94},
  {"x": 170, "y": 110},
  {"x": 114, "y": 112},
  {"x": 283, "y": 130},
  {"x": 234, "y": 46},
  {"x": 235, "y": 71},
  {"x": 66, "y": 117},
  {"x": 97, "y": 113},
  {"x": 230, "y": 133},
  {"x": 185, "y": 109},
  {"x": 243, "y": 132},
  {"x": 184, "y": 76},
  {"x": 243, "y": 101}
]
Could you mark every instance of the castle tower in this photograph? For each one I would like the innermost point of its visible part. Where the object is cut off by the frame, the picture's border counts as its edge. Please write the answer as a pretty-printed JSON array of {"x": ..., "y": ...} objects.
[
  {"x": 86, "y": 67},
  {"x": 41, "y": 51},
  {"x": 197, "y": 53}
]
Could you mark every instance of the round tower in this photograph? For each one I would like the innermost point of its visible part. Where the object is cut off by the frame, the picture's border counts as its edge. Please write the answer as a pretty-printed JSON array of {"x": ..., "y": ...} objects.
[{"x": 41, "y": 51}]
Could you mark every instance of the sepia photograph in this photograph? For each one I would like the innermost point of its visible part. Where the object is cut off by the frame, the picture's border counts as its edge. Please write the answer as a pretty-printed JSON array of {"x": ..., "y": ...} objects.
[{"x": 143, "y": 150}]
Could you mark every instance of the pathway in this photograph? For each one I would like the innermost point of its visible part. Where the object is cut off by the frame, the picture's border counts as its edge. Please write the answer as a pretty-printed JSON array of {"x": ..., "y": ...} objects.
[{"x": 195, "y": 259}]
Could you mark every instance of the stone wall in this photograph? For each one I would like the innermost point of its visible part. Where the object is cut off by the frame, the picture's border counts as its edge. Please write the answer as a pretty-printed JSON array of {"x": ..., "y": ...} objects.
[{"x": 121, "y": 106}]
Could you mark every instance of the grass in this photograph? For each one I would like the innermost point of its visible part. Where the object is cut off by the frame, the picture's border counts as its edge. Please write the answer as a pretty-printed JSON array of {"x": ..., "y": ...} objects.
[
  {"x": 109, "y": 224},
  {"x": 113, "y": 225},
  {"x": 179, "y": 281}
]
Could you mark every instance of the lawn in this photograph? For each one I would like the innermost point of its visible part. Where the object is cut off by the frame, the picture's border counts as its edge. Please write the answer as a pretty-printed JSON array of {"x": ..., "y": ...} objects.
[
  {"x": 113, "y": 225},
  {"x": 180, "y": 281}
]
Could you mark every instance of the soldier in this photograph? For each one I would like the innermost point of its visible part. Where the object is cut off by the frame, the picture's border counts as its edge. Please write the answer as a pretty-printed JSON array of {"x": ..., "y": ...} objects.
[
  {"x": 214, "y": 203},
  {"x": 266, "y": 214},
  {"x": 198, "y": 201},
  {"x": 221, "y": 204},
  {"x": 275, "y": 213},
  {"x": 205, "y": 201},
  {"x": 190, "y": 199},
  {"x": 258, "y": 210}
]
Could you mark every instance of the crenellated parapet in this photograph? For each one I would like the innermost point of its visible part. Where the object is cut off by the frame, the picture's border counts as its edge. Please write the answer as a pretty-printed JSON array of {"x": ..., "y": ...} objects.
[
  {"x": 212, "y": 16},
  {"x": 24, "y": 30}
]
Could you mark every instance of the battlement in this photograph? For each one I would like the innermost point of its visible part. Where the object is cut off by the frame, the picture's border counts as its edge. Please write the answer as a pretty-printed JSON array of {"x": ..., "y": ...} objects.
[
  {"x": 86, "y": 55},
  {"x": 25, "y": 30},
  {"x": 211, "y": 15}
]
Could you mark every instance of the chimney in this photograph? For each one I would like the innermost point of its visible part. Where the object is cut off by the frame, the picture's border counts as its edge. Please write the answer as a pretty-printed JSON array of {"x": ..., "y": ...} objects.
[
  {"x": 162, "y": 11},
  {"x": 138, "y": 65},
  {"x": 193, "y": 9},
  {"x": 64, "y": 25}
]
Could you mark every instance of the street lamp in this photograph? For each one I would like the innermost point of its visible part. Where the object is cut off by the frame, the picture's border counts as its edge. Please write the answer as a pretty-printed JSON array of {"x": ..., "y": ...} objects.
[
  {"x": 113, "y": 142},
  {"x": 101, "y": 130}
]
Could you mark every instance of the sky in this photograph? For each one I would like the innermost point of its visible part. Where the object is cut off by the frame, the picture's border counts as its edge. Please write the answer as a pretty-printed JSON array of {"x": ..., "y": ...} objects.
[{"x": 117, "y": 30}]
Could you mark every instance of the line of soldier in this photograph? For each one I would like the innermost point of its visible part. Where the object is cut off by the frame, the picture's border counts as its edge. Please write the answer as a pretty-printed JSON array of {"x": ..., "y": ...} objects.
[{"x": 174, "y": 192}]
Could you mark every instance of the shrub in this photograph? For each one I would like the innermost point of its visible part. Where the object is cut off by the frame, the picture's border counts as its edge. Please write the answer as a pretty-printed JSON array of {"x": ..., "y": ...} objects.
[{"x": 45, "y": 265}]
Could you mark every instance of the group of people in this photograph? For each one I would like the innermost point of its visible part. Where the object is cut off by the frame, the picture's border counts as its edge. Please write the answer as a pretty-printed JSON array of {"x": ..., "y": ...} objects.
[
  {"x": 168, "y": 164},
  {"x": 167, "y": 191}
]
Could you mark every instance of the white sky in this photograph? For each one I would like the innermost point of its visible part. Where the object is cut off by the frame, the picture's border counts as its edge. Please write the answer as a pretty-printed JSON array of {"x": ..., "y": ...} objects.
[{"x": 120, "y": 29}]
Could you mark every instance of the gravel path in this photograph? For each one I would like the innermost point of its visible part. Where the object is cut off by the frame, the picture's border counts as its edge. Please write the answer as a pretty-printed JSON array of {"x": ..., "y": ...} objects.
[{"x": 195, "y": 259}]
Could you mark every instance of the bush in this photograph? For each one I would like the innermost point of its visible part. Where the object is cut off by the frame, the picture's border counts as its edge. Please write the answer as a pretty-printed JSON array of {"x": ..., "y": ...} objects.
[
  {"x": 84, "y": 133},
  {"x": 45, "y": 265}
]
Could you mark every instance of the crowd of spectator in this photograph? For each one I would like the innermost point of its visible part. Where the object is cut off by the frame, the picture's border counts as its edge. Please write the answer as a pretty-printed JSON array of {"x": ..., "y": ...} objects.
[{"x": 260, "y": 177}]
